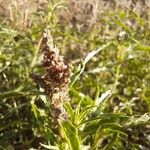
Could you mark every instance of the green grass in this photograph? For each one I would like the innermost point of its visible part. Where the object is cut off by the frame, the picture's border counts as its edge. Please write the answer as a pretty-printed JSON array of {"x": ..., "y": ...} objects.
[{"x": 109, "y": 94}]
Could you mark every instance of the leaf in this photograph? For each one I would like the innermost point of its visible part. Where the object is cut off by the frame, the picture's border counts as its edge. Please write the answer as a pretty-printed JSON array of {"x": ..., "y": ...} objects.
[
  {"x": 71, "y": 135},
  {"x": 49, "y": 147},
  {"x": 142, "y": 48},
  {"x": 78, "y": 108},
  {"x": 108, "y": 116},
  {"x": 88, "y": 57},
  {"x": 19, "y": 94},
  {"x": 134, "y": 121},
  {"x": 103, "y": 97},
  {"x": 105, "y": 121},
  {"x": 35, "y": 110},
  {"x": 84, "y": 113},
  {"x": 113, "y": 127},
  {"x": 93, "y": 53},
  {"x": 69, "y": 110}
]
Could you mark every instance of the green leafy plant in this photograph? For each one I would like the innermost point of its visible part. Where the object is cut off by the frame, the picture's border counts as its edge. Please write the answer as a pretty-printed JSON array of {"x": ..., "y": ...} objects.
[{"x": 103, "y": 102}]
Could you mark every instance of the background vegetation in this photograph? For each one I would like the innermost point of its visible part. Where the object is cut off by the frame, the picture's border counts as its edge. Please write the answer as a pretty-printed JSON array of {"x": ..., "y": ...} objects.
[{"x": 108, "y": 43}]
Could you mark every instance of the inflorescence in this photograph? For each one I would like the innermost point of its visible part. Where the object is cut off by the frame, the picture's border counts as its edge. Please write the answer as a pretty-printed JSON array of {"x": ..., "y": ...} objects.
[{"x": 56, "y": 78}]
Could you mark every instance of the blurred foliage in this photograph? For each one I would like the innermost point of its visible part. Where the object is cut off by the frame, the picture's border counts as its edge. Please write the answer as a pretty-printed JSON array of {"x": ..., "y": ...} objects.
[{"x": 110, "y": 90}]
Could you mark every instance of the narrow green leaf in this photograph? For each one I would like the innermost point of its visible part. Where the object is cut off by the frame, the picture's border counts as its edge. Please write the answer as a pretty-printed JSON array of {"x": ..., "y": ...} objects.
[
  {"x": 88, "y": 57},
  {"x": 114, "y": 127},
  {"x": 78, "y": 108},
  {"x": 69, "y": 110},
  {"x": 142, "y": 48},
  {"x": 71, "y": 135},
  {"x": 93, "y": 53},
  {"x": 107, "y": 116},
  {"x": 19, "y": 94},
  {"x": 34, "y": 110},
  {"x": 103, "y": 97},
  {"x": 84, "y": 113}
]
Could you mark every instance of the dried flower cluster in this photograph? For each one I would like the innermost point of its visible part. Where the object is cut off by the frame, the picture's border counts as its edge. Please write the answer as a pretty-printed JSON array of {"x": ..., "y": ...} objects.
[{"x": 56, "y": 77}]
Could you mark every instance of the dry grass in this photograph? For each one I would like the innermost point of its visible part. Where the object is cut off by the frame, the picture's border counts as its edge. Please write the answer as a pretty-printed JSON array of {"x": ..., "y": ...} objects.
[
  {"x": 79, "y": 13},
  {"x": 19, "y": 12}
]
